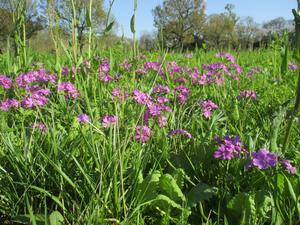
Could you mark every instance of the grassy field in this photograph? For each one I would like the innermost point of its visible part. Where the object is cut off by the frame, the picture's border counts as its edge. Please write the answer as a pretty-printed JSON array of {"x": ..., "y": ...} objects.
[{"x": 166, "y": 138}]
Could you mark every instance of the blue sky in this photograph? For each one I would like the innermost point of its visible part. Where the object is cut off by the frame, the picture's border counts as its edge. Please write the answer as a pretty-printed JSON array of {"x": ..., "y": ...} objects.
[{"x": 260, "y": 10}]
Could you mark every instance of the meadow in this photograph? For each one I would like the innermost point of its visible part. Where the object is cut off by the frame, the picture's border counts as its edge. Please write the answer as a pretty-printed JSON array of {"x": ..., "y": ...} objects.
[{"x": 164, "y": 138}]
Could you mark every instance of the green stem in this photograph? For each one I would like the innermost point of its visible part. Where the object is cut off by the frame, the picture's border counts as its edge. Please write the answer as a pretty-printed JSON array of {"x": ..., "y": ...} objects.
[{"x": 297, "y": 57}]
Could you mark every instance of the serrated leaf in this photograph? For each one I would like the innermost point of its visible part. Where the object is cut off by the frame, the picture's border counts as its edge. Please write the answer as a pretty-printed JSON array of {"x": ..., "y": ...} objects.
[
  {"x": 148, "y": 189},
  {"x": 242, "y": 207},
  {"x": 200, "y": 192},
  {"x": 263, "y": 203},
  {"x": 169, "y": 187},
  {"x": 56, "y": 218},
  {"x": 165, "y": 203}
]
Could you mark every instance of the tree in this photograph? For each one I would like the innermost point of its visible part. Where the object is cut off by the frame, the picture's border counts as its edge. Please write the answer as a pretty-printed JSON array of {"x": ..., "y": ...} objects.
[
  {"x": 179, "y": 21},
  {"x": 8, "y": 17},
  {"x": 147, "y": 41},
  {"x": 64, "y": 12},
  {"x": 248, "y": 32},
  {"x": 220, "y": 29}
]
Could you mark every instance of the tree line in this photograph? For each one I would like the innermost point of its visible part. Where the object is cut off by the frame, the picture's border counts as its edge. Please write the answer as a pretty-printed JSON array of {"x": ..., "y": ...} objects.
[{"x": 180, "y": 24}]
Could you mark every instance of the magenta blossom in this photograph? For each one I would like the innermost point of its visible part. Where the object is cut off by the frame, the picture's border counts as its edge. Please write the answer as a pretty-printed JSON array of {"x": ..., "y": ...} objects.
[
  {"x": 5, "y": 82},
  {"x": 161, "y": 89},
  {"x": 207, "y": 108},
  {"x": 288, "y": 166},
  {"x": 142, "y": 133},
  {"x": 182, "y": 93},
  {"x": 69, "y": 89},
  {"x": 141, "y": 97},
  {"x": 109, "y": 120},
  {"x": 227, "y": 56},
  {"x": 104, "y": 67},
  {"x": 247, "y": 94},
  {"x": 122, "y": 95},
  {"x": 83, "y": 118},
  {"x": 40, "y": 126},
  {"x": 229, "y": 148},
  {"x": 180, "y": 132},
  {"x": 263, "y": 159},
  {"x": 7, "y": 104}
]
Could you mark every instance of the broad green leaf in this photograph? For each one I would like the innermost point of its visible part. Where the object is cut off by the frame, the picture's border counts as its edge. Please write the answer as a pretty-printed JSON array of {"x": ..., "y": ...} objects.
[
  {"x": 165, "y": 203},
  {"x": 169, "y": 187},
  {"x": 242, "y": 207},
  {"x": 56, "y": 218},
  {"x": 263, "y": 203},
  {"x": 200, "y": 192},
  {"x": 148, "y": 189}
]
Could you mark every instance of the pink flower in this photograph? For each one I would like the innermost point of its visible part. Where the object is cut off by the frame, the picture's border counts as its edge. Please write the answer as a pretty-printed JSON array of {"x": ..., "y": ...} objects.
[
  {"x": 40, "y": 126},
  {"x": 141, "y": 97},
  {"x": 162, "y": 121},
  {"x": 207, "y": 108},
  {"x": 5, "y": 82},
  {"x": 69, "y": 89},
  {"x": 142, "y": 133},
  {"x": 83, "y": 118},
  {"x": 5, "y": 105},
  {"x": 180, "y": 132},
  {"x": 109, "y": 120},
  {"x": 122, "y": 95}
]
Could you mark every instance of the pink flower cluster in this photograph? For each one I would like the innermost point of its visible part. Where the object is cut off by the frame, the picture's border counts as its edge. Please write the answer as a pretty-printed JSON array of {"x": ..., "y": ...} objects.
[
  {"x": 69, "y": 90},
  {"x": 182, "y": 93},
  {"x": 142, "y": 133},
  {"x": 180, "y": 132},
  {"x": 207, "y": 108},
  {"x": 5, "y": 82},
  {"x": 229, "y": 148},
  {"x": 103, "y": 71},
  {"x": 27, "y": 79},
  {"x": 7, "y": 104},
  {"x": 108, "y": 120},
  {"x": 247, "y": 94}
]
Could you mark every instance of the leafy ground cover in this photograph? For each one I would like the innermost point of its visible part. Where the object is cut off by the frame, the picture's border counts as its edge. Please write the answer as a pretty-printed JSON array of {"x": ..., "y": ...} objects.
[{"x": 163, "y": 139}]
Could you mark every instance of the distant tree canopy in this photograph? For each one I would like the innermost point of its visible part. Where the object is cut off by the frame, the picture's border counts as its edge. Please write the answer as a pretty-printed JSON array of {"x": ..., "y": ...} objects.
[
  {"x": 183, "y": 24},
  {"x": 63, "y": 12},
  {"x": 8, "y": 17},
  {"x": 178, "y": 22}
]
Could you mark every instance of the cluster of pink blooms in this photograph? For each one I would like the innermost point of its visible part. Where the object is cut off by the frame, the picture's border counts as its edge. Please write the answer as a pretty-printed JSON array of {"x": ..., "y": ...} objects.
[
  {"x": 161, "y": 89},
  {"x": 253, "y": 71},
  {"x": 69, "y": 90},
  {"x": 229, "y": 148},
  {"x": 5, "y": 82},
  {"x": 182, "y": 93},
  {"x": 40, "y": 126},
  {"x": 7, "y": 104},
  {"x": 103, "y": 71},
  {"x": 264, "y": 159},
  {"x": 39, "y": 76},
  {"x": 227, "y": 56},
  {"x": 83, "y": 118},
  {"x": 180, "y": 132},
  {"x": 292, "y": 66},
  {"x": 207, "y": 107},
  {"x": 118, "y": 93},
  {"x": 247, "y": 94},
  {"x": 108, "y": 120},
  {"x": 150, "y": 66},
  {"x": 126, "y": 65},
  {"x": 142, "y": 133}
]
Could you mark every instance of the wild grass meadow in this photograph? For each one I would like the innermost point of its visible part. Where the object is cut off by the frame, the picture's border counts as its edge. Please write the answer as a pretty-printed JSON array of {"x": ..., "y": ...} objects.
[{"x": 121, "y": 136}]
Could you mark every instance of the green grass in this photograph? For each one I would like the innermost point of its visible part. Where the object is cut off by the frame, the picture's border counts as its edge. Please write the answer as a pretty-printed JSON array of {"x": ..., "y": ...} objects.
[{"x": 87, "y": 174}]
